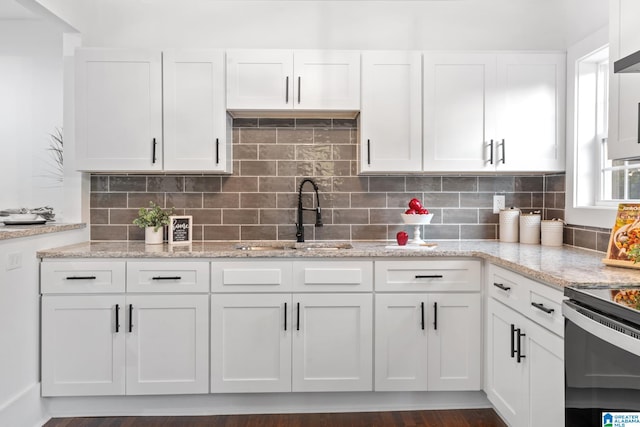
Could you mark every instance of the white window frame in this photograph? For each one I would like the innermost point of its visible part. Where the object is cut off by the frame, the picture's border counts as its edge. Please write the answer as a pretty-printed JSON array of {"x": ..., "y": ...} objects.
[{"x": 582, "y": 203}]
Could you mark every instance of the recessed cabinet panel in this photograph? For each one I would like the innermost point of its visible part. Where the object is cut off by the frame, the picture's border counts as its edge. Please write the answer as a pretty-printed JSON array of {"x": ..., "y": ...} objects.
[
  {"x": 118, "y": 99},
  {"x": 332, "y": 343},
  {"x": 195, "y": 128},
  {"x": 83, "y": 341},
  {"x": 167, "y": 351},
  {"x": 251, "y": 343},
  {"x": 390, "y": 116},
  {"x": 251, "y": 276},
  {"x": 333, "y": 276}
]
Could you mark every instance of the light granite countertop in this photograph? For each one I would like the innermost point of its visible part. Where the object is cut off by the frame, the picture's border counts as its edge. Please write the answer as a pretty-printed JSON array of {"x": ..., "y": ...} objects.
[
  {"x": 555, "y": 266},
  {"x": 17, "y": 231}
]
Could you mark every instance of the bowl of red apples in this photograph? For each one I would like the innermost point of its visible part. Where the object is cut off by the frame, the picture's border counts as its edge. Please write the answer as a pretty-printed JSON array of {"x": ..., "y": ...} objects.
[{"x": 416, "y": 214}]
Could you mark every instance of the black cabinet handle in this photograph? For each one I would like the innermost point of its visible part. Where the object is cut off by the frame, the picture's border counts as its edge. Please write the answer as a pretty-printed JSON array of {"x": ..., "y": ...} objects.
[
  {"x": 501, "y": 286},
  {"x": 217, "y": 151},
  {"x": 429, "y": 276},
  {"x": 422, "y": 315},
  {"x": 130, "y": 317},
  {"x": 299, "y": 78},
  {"x": 491, "y": 152},
  {"x": 285, "y": 316},
  {"x": 117, "y": 318},
  {"x": 81, "y": 278},
  {"x": 513, "y": 344},
  {"x": 503, "y": 157},
  {"x": 166, "y": 278},
  {"x": 153, "y": 156},
  {"x": 286, "y": 96},
  {"x": 368, "y": 151},
  {"x": 435, "y": 316},
  {"x": 541, "y": 306},
  {"x": 519, "y": 342},
  {"x": 298, "y": 318}
]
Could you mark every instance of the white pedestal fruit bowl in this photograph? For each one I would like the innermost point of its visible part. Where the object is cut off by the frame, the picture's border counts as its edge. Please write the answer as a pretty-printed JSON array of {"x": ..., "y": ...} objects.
[{"x": 417, "y": 220}]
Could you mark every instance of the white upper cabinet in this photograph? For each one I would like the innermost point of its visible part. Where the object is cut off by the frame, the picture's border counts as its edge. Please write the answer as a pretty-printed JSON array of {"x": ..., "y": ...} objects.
[
  {"x": 301, "y": 80},
  {"x": 459, "y": 111},
  {"x": 531, "y": 112},
  {"x": 624, "y": 89},
  {"x": 196, "y": 132},
  {"x": 391, "y": 112},
  {"x": 494, "y": 112},
  {"x": 118, "y": 103},
  {"x": 122, "y": 97}
]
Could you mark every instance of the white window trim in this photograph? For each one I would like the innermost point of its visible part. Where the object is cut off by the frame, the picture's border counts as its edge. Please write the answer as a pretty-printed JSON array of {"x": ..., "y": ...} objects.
[{"x": 593, "y": 216}]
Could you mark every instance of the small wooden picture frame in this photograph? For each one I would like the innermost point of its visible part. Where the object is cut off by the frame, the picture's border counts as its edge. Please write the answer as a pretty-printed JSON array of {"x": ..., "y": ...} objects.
[{"x": 180, "y": 229}]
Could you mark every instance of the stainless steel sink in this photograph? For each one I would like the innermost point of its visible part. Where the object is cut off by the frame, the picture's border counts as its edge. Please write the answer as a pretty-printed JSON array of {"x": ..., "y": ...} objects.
[
  {"x": 265, "y": 247},
  {"x": 304, "y": 246},
  {"x": 323, "y": 246}
]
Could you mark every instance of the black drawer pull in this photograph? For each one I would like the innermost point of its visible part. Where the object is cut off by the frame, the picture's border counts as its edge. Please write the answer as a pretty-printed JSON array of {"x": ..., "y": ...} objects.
[
  {"x": 285, "y": 316},
  {"x": 520, "y": 356},
  {"x": 435, "y": 316},
  {"x": 130, "y": 317},
  {"x": 117, "y": 318},
  {"x": 513, "y": 341},
  {"x": 298, "y": 318},
  {"x": 166, "y": 278},
  {"x": 81, "y": 278},
  {"x": 429, "y": 276},
  {"x": 541, "y": 306},
  {"x": 501, "y": 286},
  {"x": 217, "y": 151},
  {"x": 422, "y": 315}
]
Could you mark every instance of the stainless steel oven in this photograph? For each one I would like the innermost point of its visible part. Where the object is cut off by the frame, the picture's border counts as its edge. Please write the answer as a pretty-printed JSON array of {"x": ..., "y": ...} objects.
[{"x": 602, "y": 356}]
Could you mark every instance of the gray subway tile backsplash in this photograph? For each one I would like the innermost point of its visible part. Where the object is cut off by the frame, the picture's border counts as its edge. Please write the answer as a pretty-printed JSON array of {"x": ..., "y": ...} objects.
[{"x": 272, "y": 156}]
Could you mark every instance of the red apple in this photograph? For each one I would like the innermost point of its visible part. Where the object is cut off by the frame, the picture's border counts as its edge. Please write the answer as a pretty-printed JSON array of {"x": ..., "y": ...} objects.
[
  {"x": 410, "y": 212},
  {"x": 423, "y": 211},
  {"x": 415, "y": 204},
  {"x": 402, "y": 237}
]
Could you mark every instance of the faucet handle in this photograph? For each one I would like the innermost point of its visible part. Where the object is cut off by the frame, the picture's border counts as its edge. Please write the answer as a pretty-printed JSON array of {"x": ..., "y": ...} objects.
[{"x": 318, "y": 217}]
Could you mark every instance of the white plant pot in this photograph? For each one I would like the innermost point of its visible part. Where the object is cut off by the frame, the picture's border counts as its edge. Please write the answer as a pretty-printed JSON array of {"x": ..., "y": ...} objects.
[{"x": 153, "y": 237}]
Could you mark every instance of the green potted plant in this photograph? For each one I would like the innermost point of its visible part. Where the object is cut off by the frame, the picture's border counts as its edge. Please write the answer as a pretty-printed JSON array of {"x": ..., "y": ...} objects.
[{"x": 153, "y": 219}]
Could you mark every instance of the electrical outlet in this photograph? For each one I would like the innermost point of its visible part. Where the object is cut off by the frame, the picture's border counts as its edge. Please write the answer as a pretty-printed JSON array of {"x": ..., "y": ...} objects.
[
  {"x": 498, "y": 203},
  {"x": 14, "y": 260}
]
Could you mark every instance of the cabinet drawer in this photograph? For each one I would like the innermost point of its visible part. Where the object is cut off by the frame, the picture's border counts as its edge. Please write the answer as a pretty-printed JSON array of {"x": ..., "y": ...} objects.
[
  {"x": 251, "y": 276},
  {"x": 62, "y": 277},
  {"x": 167, "y": 276},
  {"x": 428, "y": 275},
  {"x": 333, "y": 276},
  {"x": 537, "y": 301}
]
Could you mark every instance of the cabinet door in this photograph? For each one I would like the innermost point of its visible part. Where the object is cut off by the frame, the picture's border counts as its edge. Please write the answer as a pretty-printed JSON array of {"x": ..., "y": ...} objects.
[
  {"x": 167, "y": 344},
  {"x": 544, "y": 353},
  {"x": 624, "y": 89},
  {"x": 531, "y": 112},
  {"x": 454, "y": 341},
  {"x": 259, "y": 79},
  {"x": 332, "y": 342},
  {"x": 118, "y": 110},
  {"x": 83, "y": 348},
  {"x": 401, "y": 342},
  {"x": 251, "y": 343},
  {"x": 506, "y": 378},
  {"x": 195, "y": 128},
  {"x": 391, "y": 113},
  {"x": 459, "y": 112},
  {"x": 326, "y": 80}
]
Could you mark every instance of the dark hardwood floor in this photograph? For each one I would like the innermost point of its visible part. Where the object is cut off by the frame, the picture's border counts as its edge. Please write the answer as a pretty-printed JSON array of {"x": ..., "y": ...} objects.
[{"x": 449, "y": 418}]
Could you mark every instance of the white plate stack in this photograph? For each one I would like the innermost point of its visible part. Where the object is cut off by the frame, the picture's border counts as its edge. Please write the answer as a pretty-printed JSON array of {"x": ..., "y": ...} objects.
[
  {"x": 509, "y": 225},
  {"x": 530, "y": 228}
]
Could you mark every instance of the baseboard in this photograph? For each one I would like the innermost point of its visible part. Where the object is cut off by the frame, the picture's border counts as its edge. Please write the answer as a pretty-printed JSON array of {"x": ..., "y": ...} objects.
[
  {"x": 26, "y": 409},
  {"x": 266, "y": 403}
]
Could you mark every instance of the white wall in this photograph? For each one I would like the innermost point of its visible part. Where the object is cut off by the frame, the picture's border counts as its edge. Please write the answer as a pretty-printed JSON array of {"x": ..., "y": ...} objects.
[
  {"x": 391, "y": 24},
  {"x": 20, "y": 402},
  {"x": 30, "y": 109}
]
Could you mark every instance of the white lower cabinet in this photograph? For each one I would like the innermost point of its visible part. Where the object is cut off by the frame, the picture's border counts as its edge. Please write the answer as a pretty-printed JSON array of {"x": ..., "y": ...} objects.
[
  {"x": 115, "y": 345},
  {"x": 100, "y": 338},
  {"x": 525, "y": 369},
  {"x": 430, "y": 338},
  {"x": 317, "y": 338}
]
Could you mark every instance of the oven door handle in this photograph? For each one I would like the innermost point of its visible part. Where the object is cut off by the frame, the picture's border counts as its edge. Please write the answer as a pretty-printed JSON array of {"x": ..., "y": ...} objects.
[{"x": 591, "y": 322}]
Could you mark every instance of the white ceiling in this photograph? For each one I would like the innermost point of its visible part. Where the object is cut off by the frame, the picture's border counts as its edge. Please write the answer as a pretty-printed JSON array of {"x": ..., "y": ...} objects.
[{"x": 9, "y": 9}]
